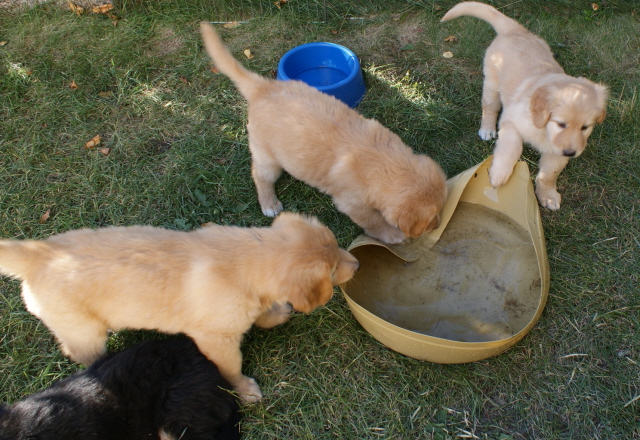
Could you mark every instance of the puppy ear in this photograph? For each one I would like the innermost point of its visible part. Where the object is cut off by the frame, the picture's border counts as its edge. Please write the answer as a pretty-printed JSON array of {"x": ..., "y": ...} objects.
[
  {"x": 312, "y": 294},
  {"x": 409, "y": 225},
  {"x": 540, "y": 107},
  {"x": 603, "y": 94}
]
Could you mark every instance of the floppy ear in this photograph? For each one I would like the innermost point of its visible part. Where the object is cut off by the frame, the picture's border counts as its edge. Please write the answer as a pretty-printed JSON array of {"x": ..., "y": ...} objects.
[
  {"x": 540, "y": 107},
  {"x": 409, "y": 224},
  {"x": 312, "y": 293},
  {"x": 603, "y": 95}
]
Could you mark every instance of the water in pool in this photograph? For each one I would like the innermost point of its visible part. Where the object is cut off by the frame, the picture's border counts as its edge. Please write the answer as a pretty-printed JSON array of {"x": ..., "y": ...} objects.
[{"x": 480, "y": 282}]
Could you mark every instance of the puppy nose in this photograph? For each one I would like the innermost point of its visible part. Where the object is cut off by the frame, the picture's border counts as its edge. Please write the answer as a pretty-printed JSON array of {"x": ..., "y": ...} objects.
[{"x": 569, "y": 153}]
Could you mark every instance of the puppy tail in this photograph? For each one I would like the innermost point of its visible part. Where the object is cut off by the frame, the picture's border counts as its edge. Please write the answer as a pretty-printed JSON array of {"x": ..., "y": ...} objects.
[
  {"x": 246, "y": 81},
  {"x": 500, "y": 22},
  {"x": 17, "y": 257}
]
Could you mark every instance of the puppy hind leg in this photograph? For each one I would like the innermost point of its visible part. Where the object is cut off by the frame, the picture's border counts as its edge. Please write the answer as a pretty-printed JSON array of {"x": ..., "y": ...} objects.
[
  {"x": 490, "y": 106},
  {"x": 83, "y": 341},
  {"x": 551, "y": 165},
  {"x": 265, "y": 172},
  {"x": 505, "y": 155}
]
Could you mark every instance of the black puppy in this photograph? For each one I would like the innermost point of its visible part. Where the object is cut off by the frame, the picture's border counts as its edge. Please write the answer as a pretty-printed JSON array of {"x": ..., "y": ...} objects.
[{"x": 163, "y": 390}]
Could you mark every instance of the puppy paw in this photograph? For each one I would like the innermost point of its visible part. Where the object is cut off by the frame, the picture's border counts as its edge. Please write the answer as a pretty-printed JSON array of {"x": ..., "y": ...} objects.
[
  {"x": 487, "y": 135},
  {"x": 549, "y": 198},
  {"x": 390, "y": 236},
  {"x": 273, "y": 209},
  {"x": 276, "y": 315},
  {"x": 499, "y": 175},
  {"x": 248, "y": 390}
]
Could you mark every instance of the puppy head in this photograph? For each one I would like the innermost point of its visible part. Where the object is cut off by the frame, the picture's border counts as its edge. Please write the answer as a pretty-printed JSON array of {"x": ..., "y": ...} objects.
[
  {"x": 311, "y": 262},
  {"x": 416, "y": 208},
  {"x": 568, "y": 111}
]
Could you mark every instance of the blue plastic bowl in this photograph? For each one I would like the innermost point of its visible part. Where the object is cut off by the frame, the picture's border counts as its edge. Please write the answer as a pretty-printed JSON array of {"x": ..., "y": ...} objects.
[{"x": 329, "y": 67}]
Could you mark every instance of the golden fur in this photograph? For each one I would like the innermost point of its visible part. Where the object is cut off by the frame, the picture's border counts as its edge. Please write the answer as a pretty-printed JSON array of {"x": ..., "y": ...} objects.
[
  {"x": 371, "y": 174},
  {"x": 541, "y": 105},
  {"x": 212, "y": 283}
]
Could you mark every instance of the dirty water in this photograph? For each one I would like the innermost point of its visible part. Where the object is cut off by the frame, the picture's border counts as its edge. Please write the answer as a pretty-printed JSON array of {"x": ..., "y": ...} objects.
[{"x": 480, "y": 282}]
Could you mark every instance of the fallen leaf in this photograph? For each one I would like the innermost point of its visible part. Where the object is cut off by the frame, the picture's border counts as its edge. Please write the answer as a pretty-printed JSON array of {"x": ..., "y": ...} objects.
[
  {"x": 447, "y": 54},
  {"x": 334, "y": 32},
  {"x": 105, "y": 151},
  {"x": 75, "y": 8},
  {"x": 73, "y": 85},
  {"x": 115, "y": 19},
  {"x": 248, "y": 54},
  {"x": 231, "y": 25},
  {"x": 451, "y": 39},
  {"x": 102, "y": 9},
  {"x": 184, "y": 80},
  {"x": 279, "y": 2},
  {"x": 105, "y": 94},
  {"x": 93, "y": 142},
  {"x": 44, "y": 217},
  {"x": 214, "y": 69},
  {"x": 2, "y": 43},
  {"x": 594, "y": 6}
]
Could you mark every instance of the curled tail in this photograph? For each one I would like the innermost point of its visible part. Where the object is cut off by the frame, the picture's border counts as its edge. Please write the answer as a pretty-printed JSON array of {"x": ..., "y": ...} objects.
[
  {"x": 246, "y": 81},
  {"x": 500, "y": 22},
  {"x": 17, "y": 257}
]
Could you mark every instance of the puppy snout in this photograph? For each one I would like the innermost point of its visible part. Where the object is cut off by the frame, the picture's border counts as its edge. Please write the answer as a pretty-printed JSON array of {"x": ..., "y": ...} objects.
[{"x": 569, "y": 153}]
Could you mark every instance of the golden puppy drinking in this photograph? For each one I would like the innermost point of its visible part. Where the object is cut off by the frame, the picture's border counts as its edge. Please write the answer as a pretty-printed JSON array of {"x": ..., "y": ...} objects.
[
  {"x": 212, "y": 283},
  {"x": 541, "y": 105},
  {"x": 371, "y": 174}
]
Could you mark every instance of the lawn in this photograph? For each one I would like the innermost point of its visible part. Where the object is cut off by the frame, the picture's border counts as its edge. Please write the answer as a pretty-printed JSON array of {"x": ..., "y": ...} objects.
[{"x": 173, "y": 153}]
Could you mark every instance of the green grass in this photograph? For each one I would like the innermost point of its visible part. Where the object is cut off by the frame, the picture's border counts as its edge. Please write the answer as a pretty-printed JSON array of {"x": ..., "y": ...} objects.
[{"x": 179, "y": 157}]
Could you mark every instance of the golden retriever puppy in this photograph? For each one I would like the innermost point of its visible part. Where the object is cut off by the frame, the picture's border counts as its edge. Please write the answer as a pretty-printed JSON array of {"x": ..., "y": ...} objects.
[
  {"x": 541, "y": 105},
  {"x": 212, "y": 283},
  {"x": 371, "y": 174}
]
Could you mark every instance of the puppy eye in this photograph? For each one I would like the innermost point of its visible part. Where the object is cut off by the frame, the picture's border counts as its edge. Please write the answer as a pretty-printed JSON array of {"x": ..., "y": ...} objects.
[
  {"x": 562, "y": 125},
  {"x": 584, "y": 127}
]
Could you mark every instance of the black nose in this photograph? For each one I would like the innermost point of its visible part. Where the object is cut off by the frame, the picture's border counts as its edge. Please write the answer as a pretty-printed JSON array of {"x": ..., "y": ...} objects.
[{"x": 568, "y": 153}]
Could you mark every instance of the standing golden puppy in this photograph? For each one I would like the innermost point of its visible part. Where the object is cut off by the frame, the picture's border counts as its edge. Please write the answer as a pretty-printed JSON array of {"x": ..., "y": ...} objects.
[
  {"x": 212, "y": 283},
  {"x": 372, "y": 176},
  {"x": 541, "y": 105}
]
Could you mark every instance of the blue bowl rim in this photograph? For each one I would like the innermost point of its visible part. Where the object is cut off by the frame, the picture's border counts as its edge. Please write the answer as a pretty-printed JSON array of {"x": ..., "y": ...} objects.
[{"x": 346, "y": 50}]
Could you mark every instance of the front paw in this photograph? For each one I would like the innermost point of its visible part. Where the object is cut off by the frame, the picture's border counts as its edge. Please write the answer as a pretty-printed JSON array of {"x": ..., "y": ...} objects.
[
  {"x": 549, "y": 198},
  {"x": 499, "y": 174},
  {"x": 272, "y": 209},
  {"x": 486, "y": 134},
  {"x": 248, "y": 390},
  {"x": 389, "y": 236},
  {"x": 276, "y": 315}
]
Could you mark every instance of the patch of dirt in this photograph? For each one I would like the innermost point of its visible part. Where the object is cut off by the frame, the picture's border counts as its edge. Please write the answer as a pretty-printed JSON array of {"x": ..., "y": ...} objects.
[{"x": 166, "y": 43}]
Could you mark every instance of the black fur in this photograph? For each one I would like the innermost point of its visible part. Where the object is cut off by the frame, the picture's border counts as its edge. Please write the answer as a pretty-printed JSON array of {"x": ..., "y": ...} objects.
[{"x": 131, "y": 395}]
